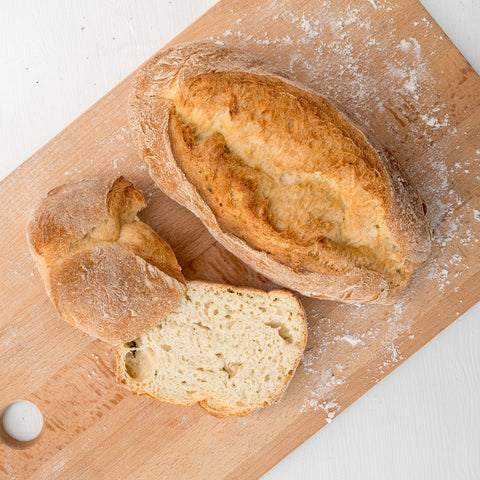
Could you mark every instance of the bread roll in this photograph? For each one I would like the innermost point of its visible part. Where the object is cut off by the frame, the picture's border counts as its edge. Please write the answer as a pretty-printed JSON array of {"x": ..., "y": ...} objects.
[
  {"x": 107, "y": 273},
  {"x": 230, "y": 349},
  {"x": 278, "y": 174}
]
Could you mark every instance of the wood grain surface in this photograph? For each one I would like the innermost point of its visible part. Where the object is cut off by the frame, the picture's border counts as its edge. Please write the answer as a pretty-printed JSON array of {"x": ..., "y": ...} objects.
[{"x": 395, "y": 70}]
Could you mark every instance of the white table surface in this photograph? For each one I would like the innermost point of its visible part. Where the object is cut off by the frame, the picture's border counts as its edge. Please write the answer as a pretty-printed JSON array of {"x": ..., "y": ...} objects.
[{"x": 57, "y": 57}]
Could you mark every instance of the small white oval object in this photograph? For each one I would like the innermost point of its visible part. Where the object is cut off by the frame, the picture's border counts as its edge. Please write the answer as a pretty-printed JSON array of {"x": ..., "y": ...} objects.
[{"x": 23, "y": 421}]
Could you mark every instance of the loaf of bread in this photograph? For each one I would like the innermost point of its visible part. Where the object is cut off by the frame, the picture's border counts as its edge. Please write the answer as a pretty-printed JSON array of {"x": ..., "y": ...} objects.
[
  {"x": 230, "y": 349},
  {"x": 278, "y": 174},
  {"x": 107, "y": 273}
]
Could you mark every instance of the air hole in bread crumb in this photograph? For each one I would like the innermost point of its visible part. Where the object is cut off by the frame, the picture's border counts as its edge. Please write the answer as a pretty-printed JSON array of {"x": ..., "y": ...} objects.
[
  {"x": 201, "y": 325},
  {"x": 282, "y": 330},
  {"x": 138, "y": 364}
]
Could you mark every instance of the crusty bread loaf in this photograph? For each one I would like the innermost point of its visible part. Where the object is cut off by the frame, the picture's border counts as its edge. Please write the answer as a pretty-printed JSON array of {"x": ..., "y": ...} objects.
[
  {"x": 278, "y": 174},
  {"x": 107, "y": 273},
  {"x": 230, "y": 349}
]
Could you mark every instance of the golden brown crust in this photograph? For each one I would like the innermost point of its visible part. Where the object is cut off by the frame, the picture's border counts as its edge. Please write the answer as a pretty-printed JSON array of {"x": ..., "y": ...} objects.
[
  {"x": 213, "y": 408},
  {"x": 106, "y": 272},
  {"x": 214, "y": 405},
  {"x": 332, "y": 269}
]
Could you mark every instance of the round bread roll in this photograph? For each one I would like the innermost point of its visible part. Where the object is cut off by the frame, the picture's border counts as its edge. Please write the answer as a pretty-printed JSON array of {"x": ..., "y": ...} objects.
[
  {"x": 107, "y": 273},
  {"x": 278, "y": 173}
]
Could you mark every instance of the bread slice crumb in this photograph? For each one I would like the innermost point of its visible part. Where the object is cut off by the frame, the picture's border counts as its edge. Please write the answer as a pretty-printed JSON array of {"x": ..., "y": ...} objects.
[{"x": 230, "y": 349}]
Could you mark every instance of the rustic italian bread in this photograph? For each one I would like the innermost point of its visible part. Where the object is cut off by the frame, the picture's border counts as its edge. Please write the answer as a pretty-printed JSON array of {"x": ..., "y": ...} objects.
[
  {"x": 278, "y": 174},
  {"x": 107, "y": 273},
  {"x": 230, "y": 349}
]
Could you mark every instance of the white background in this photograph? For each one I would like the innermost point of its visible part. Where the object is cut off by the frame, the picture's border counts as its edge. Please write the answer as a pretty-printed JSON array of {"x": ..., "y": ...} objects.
[{"x": 421, "y": 422}]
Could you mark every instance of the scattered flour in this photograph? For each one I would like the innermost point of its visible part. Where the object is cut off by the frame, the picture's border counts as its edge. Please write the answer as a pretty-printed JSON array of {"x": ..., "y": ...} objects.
[
  {"x": 332, "y": 408},
  {"x": 185, "y": 422},
  {"x": 405, "y": 45},
  {"x": 434, "y": 122},
  {"x": 309, "y": 28},
  {"x": 351, "y": 339}
]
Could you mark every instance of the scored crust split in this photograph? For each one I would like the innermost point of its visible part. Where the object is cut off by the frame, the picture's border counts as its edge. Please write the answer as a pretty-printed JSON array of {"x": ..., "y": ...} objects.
[
  {"x": 106, "y": 272},
  {"x": 278, "y": 174}
]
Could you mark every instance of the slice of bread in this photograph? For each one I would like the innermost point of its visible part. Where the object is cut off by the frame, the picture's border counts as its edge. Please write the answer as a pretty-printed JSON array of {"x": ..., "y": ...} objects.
[{"x": 230, "y": 349}]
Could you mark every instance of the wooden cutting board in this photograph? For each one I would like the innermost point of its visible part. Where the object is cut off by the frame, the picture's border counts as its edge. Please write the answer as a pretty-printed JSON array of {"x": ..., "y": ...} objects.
[{"x": 392, "y": 66}]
